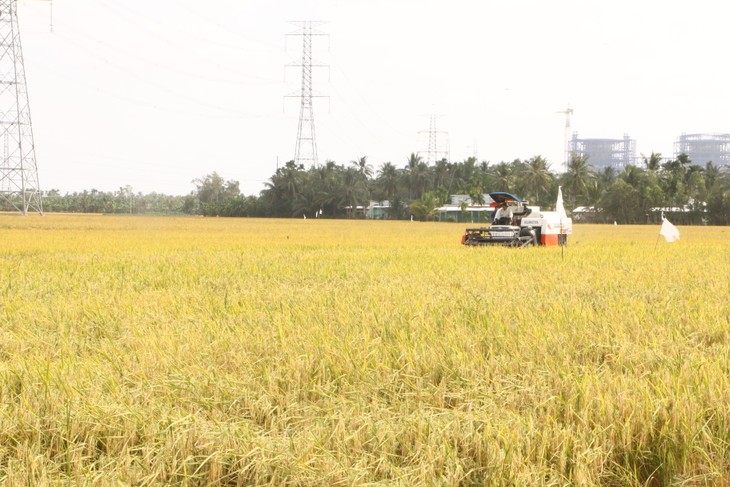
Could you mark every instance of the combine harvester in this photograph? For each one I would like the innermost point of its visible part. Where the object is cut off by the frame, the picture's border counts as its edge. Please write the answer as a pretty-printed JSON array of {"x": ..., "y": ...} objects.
[{"x": 528, "y": 226}]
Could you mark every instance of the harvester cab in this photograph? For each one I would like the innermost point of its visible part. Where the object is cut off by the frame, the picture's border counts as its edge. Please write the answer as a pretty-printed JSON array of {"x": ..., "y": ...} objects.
[{"x": 523, "y": 225}]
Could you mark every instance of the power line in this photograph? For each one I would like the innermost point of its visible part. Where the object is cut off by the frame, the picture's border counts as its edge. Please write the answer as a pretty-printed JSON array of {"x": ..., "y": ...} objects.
[
  {"x": 198, "y": 15},
  {"x": 344, "y": 101},
  {"x": 362, "y": 98},
  {"x": 137, "y": 14},
  {"x": 154, "y": 106},
  {"x": 158, "y": 64},
  {"x": 133, "y": 74},
  {"x": 131, "y": 19}
]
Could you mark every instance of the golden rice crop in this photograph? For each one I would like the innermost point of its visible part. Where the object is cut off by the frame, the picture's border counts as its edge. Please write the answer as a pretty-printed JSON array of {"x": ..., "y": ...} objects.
[{"x": 191, "y": 351}]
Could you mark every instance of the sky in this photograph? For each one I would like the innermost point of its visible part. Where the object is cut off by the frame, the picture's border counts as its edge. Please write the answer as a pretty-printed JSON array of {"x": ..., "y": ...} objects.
[{"x": 155, "y": 94}]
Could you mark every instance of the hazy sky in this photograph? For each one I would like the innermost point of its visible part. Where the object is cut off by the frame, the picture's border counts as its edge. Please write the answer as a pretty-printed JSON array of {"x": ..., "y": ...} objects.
[{"x": 156, "y": 93}]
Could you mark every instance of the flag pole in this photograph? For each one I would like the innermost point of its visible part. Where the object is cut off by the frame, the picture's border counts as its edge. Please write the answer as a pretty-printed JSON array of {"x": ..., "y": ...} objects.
[{"x": 561, "y": 211}]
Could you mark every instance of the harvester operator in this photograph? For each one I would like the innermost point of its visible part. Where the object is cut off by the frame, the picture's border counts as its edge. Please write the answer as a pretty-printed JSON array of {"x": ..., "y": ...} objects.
[{"x": 503, "y": 215}]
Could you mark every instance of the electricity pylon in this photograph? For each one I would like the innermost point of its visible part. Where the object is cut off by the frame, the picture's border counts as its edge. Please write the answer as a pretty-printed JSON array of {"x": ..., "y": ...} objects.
[
  {"x": 18, "y": 171},
  {"x": 306, "y": 146},
  {"x": 434, "y": 150}
]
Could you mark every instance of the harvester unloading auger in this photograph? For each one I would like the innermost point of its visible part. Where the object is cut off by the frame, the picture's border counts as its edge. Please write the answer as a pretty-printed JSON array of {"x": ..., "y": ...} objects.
[{"x": 526, "y": 226}]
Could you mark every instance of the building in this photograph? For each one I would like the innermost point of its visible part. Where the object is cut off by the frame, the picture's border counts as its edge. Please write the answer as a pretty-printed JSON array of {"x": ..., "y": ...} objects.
[
  {"x": 704, "y": 148},
  {"x": 603, "y": 153},
  {"x": 378, "y": 210},
  {"x": 460, "y": 208}
]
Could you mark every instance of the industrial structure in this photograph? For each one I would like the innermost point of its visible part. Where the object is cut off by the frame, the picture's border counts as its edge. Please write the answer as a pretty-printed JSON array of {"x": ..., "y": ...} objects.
[
  {"x": 566, "y": 144},
  {"x": 306, "y": 145},
  {"x": 438, "y": 142},
  {"x": 603, "y": 153},
  {"x": 704, "y": 148},
  {"x": 19, "y": 185}
]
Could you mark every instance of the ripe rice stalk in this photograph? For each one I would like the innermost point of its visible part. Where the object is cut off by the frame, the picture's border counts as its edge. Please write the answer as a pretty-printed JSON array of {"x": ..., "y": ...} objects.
[{"x": 158, "y": 351}]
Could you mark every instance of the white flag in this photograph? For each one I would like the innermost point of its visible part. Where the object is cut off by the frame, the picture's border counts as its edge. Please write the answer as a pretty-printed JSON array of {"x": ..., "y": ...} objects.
[
  {"x": 559, "y": 204},
  {"x": 668, "y": 231}
]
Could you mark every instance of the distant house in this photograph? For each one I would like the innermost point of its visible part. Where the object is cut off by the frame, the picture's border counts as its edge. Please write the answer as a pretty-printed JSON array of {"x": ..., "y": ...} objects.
[
  {"x": 356, "y": 211},
  {"x": 460, "y": 208},
  {"x": 378, "y": 210},
  {"x": 678, "y": 214},
  {"x": 586, "y": 214}
]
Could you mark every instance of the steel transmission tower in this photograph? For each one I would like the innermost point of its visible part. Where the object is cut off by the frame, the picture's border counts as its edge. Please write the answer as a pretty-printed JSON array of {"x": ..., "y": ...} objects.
[
  {"x": 306, "y": 146},
  {"x": 18, "y": 171},
  {"x": 433, "y": 152}
]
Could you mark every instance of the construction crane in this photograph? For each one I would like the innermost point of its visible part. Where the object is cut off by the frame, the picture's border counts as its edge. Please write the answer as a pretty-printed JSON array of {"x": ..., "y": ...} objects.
[{"x": 567, "y": 112}]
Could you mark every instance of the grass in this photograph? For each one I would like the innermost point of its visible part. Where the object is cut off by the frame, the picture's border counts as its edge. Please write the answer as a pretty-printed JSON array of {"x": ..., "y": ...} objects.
[{"x": 191, "y": 351}]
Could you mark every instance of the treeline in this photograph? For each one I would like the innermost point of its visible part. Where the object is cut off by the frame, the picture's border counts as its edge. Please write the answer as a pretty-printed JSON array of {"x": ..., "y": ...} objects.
[
  {"x": 692, "y": 193},
  {"x": 123, "y": 200}
]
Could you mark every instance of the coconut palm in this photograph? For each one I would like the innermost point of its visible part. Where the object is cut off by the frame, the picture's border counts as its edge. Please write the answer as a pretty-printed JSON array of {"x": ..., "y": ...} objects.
[
  {"x": 388, "y": 179},
  {"x": 441, "y": 173},
  {"x": 537, "y": 177},
  {"x": 606, "y": 177},
  {"x": 502, "y": 176},
  {"x": 576, "y": 178},
  {"x": 653, "y": 162},
  {"x": 712, "y": 172},
  {"x": 418, "y": 176},
  {"x": 363, "y": 167},
  {"x": 672, "y": 175},
  {"x": 353, "y": 190}
]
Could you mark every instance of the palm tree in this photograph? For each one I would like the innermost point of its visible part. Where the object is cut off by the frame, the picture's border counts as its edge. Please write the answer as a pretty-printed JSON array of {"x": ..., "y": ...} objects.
[
  {"x": 712, "y": 172},
  {"x": 673, "y": 179},
  {"x": 469, "y": 166},
  {"x": 653, "y": 162},
  {"x": 577, "y": 177},
  {"x": 696, "y": 186},
  {"x": 718, "y": 197},
  {"x": 283, "y": 188},
  {"x": 502, "y": 176},
  {"x": 606, "y": 178},
  {"x": 354, "y": 189},
  {"x": 418, "y": 173},
  {"x": 594, "y": 193},
  {"x": 425, "y": 208},
  {"x": 363, "y": 167},
  {"x": 476, "y": 192},
  {"x": 537, "y": 177},
  {"x": 323, "y": 182},
  {"x": 413, "y": 160},
  {"x": 440, "y": 172},
  {"x": 420, "y": 177},
  {"x": 388, "y": 178}
]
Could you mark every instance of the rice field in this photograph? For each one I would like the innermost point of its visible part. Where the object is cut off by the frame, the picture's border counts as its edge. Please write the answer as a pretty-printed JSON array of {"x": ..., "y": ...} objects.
[{"x": 153, "y": 351}]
